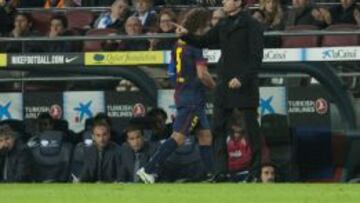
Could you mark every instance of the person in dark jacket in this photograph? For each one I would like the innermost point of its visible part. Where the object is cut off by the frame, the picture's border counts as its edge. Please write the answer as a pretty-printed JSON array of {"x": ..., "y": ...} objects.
[
  {"x": 303, "y": 13},
  {"x": 22, "y": 28},
  {"x": 165, "y": 25},
  {"x": 102, "y": 162},
  {"x": 59, "y": 27},
  {"x": 135, "y": 153},
  {"x": 345, "y": 13},
  {"x": 159, "y": 129},
  {"x": 145, "y": 13},
  {"x": 132, "y": 28},
  {"x": 15, "y": 157},
  {"x": 7, "y": 11},
  {"x": 241, "y": 42},
  {"x": 116, "y": 17}
]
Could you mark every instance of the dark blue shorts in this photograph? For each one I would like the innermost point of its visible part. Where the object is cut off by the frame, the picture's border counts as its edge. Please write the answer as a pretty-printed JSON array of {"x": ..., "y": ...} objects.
[{"x": 189, "y": 117}]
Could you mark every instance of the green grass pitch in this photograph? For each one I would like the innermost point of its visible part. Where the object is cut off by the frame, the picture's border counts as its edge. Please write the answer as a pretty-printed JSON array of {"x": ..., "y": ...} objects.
[{"x": 174, "y": 193}]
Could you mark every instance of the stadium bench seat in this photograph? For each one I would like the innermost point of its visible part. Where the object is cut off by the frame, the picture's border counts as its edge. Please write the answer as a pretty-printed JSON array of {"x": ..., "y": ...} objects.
[
  {"x": 300, "y": 41},
  {"x": 52, "y": 158},
  {"x": 41, "y": 21},
  {"x": 79, "y": 19},
  {"x": 96, "y": 45},
  {"x": 353, "y": 162},
  {"x": 313, "y": 153},
  {"x": 275, "y": 128},
  {"x": 341, "y": 40}
]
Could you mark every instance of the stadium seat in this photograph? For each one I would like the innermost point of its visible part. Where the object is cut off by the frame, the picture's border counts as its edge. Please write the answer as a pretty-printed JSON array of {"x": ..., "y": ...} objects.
[
  {"x": 313, "y": 153},
  {"x": 96, "y": 45},
  {"x": 340, "y": 148},
  {"x": 275, "y": 128},
  {"x": 52, "y": 158},
  {"x": 341, "y": 40},
  {"x": 300, "y": 41},
  {"x": 278, "y": 137},
  {"x": 41, "y": 21},
  {"x": 353, "y": 160},
  {"x": 79, "y": 19}
]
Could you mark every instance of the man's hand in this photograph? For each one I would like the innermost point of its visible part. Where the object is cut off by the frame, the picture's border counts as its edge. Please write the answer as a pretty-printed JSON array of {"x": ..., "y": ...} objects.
[
  {"x": 16, "y": 32},
  {"x": 234, "y": 83},
  {"x": 153, "y": 42},
  {"x": 180, "y": 30},
  {"x": 317, "y": 15},
  {"x": 53, "y": 33},
  {"x": 357, "y": 16},
  {"x": 326, "y": 15}
]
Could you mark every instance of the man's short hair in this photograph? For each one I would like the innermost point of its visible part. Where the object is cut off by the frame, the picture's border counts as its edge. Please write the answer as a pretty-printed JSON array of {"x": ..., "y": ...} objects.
[
  {"x": 6, "y": 130},
  {"x": 268, "y": 164},
  {"x": 147, "y": 1},
  {"x": 100, "y": 123},
  {"x": 102, "y": 117},
  {"x": 195, "y": 18},
  {"x": 61, "y": 18},
  {"x": 132, "y": 128},
  {"x": 238, "y": 119},
  {"x": 123, "y": 1},
  {"x": 157, "y": 111},
  {"x": 28, "y": 16}
]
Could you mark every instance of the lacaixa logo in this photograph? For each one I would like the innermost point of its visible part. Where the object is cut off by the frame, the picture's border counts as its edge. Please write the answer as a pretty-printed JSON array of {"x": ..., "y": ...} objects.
[
  {"x": 99, "y": 57},
  {"x": 340, "y": 53}
]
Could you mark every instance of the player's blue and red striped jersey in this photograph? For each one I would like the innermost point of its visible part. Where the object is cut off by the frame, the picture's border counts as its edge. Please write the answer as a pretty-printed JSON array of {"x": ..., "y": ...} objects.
[{"x": 189, "y": 90}]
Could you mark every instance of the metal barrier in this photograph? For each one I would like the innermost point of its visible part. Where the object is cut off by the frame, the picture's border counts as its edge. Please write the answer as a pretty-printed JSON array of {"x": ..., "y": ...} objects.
[
  {"x": 103, "y": 8},
  {"x": 168, "y": 36}
]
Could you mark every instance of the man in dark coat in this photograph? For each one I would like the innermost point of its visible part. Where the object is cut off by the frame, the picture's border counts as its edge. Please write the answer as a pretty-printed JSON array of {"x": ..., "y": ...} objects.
[
  {"x": 303, "y": 13},
  {"x": 135, "y": 153},
  {"x": 102, "y": 160},
  {"x": 241, "y": 43},
  {"x": 15, "y": 157}
]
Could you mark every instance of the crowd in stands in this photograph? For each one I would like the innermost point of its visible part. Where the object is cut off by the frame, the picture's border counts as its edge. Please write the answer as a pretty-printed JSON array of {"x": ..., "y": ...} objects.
[
  {"x": 53, "y": 153},
  {"x": 136, "y": 17}
]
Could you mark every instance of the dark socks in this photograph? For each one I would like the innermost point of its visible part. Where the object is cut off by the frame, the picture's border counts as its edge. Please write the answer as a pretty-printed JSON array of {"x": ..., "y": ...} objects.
[
  {"x": 207, "y": 157},
  {"x": 162, "y": 153}
]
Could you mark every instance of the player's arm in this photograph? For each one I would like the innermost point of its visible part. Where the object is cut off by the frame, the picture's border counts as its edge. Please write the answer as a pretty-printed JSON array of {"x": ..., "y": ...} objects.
[{"x": 204, "y": 75}]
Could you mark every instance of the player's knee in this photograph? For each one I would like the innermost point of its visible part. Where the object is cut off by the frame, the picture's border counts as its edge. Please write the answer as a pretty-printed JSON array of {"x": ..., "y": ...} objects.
[{"x": 179, "y": 138}]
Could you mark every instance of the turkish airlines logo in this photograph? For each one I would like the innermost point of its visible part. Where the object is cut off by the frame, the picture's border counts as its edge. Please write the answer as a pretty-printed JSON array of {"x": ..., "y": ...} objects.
[
  {"x": 321, "y": 106},
  {"x": 55, "y": 111},
  {"x": 138, "y": 110}
]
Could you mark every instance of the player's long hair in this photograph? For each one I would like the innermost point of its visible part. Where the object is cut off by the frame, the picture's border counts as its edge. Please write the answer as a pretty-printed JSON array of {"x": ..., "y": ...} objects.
[{"x": 194, "y": 19}]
